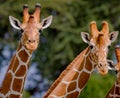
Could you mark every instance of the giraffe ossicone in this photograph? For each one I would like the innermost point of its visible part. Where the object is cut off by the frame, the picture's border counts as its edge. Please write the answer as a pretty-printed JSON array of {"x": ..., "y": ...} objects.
[{"x": 13, "y": 83}]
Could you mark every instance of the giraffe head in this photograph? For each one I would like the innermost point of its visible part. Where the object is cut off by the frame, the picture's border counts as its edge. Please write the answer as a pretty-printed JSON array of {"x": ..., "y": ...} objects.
[
  {"x": 30, "y": 26},
  {"x": 99, "y": 43}
]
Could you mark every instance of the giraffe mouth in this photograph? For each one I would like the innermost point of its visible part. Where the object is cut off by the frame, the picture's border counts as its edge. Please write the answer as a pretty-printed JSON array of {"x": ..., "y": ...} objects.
[
  {"x": 31, "y": 47},
  {"x": 103, "y": 70}
]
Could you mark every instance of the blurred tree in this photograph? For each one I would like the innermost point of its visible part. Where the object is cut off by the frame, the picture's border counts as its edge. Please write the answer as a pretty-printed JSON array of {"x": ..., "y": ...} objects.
[
  {"x": 95, "y": 87},
  {"x": 62, "y": 41},
  {"x": 26, "y": 95}
]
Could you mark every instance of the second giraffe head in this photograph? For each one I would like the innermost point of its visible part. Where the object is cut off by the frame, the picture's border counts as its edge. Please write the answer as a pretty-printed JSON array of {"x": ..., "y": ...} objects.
[{"x": 99, "y": 43}]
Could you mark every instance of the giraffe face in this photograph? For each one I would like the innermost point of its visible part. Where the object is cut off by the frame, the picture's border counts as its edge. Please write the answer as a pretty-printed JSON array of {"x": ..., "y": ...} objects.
[
  {"x": 99, "y": 49},
  {"x": 30, "y": 27},
  {"x": 30, "y": 36},
  {"x": 99, "y": 44}
]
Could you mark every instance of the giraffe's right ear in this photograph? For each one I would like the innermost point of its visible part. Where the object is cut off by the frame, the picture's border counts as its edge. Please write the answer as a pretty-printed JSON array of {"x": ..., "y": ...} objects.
[
  {"x": 86, "y": 37},
  {"x": 111, "y": 66},
  {"x": 14, "y": 22}
]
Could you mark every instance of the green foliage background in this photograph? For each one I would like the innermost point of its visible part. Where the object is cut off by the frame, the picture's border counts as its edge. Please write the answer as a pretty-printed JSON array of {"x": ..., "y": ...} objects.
[{"x": 61, "y": 42}]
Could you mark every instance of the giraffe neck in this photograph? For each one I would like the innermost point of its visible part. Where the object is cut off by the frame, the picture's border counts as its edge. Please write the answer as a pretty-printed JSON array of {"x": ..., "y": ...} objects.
[
  {"x": 13, "y": 82},
  {"x": 74, "y": 78},
  {"x": 115, "y": 90}
]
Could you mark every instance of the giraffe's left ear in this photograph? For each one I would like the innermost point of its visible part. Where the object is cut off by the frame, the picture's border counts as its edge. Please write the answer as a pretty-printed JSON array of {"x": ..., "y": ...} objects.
[
  {"x": 14, "y": 22},
  {"x": 111, "y": 66},
  {"x": 113, "y": 36},
  {"x": 86, "y": 37},
  {"x": 46, "y": 22}
]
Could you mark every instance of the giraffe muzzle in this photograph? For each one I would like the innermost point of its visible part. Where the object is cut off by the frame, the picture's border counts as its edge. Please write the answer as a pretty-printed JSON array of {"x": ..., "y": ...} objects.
[
  {"x": 32, "y": 45},
  {"x": 102, "y": 69}
]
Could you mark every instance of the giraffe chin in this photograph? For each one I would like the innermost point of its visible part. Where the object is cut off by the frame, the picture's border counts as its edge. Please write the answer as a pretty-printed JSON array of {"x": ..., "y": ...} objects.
[
  {"x": 31, "y": 47},
  {"x": 103, "y": 72}
]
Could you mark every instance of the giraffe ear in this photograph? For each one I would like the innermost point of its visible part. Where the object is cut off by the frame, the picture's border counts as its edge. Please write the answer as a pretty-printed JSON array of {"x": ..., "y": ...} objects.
[
  {"x": 86, "y": 37},
  {"x": 111, "y": 66},
  {"x": 113, "y": 36},
  {"x": 46, "y": 22},
  {"x": 14, "y": 22}
]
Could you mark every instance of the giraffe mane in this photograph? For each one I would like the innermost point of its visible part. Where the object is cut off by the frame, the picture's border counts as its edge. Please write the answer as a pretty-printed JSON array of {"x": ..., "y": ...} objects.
[{"x": 59, "y": 79}]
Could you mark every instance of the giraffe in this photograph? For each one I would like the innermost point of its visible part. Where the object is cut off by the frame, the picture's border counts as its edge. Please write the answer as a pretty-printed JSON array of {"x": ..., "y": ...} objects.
[
  {"x": 115, "y": 90},
  {"x": 73, "y": 79},
  {"x": 13, "y": 83}
]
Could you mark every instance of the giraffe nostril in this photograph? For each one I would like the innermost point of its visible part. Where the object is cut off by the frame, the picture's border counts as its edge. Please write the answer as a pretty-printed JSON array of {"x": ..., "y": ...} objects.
[{"x": 31, "y": 41}]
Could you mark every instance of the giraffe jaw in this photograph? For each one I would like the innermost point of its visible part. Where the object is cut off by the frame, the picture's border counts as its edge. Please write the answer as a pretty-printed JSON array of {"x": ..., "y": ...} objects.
[
  {"x": 31, "y": 47},
  {"x": 101, "y": 70}
]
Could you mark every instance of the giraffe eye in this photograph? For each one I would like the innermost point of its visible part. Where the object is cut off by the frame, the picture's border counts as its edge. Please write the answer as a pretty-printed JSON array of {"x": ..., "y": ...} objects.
[
  {"x": 40, "y": 31},
  {"x": 109, "y": 47},
  {"x": 91, "y": 46},
  {"x": 21, "y": 30}
]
